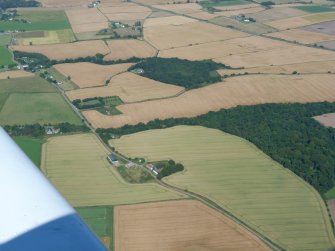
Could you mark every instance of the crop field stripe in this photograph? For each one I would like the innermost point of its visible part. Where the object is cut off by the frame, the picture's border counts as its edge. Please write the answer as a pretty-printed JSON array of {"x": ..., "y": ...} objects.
[{"x": 201, "y": 149}]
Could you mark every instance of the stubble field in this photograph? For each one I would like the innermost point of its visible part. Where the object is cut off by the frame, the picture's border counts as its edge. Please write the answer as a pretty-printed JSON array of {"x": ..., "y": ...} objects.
[
  {"x": 128, "y": 48},
  {"x": 15, "y": 74},
  {"x": 195, "y": 227},
  {"x": 242, "y": 179},
  {"x": 241, "y": 90},
  {"x": 130, "y": 88},
  {"x": 77, "y": 166},
  {"x": 68, "y": 50},
  {"x": 89, "y": 75}
]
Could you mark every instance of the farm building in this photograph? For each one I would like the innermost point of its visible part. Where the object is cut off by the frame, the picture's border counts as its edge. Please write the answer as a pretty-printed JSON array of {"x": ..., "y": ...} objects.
[{"x": 113, "y": 159}]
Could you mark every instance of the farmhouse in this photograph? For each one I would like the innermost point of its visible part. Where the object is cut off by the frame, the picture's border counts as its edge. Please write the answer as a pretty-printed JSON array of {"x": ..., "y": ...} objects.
[{"x": 113, "y": 159}]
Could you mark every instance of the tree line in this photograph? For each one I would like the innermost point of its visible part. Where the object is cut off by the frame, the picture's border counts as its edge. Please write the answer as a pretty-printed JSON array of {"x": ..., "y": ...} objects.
[
  {"x": 285, "y": 132},
  {"x": 6, "y": 4}
]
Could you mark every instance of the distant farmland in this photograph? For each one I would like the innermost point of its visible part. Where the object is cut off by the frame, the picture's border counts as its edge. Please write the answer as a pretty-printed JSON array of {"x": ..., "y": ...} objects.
[
  {"x": 179, "y": 225},
  {"x": 236, "y": 175},
  {"x": 77, "y": 166}
]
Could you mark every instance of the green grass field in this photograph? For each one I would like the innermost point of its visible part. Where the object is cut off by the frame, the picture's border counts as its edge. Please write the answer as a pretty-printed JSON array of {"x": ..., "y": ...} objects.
[
  {"x": 49, "y": 37},
  {"x": 6, "y": 57},
  {"x": 77, "y": 165},
  {"x": 4, "y": 40},
  {"x": 239, "y": 177},
  {"x": 315, "y": 8},
  {"x": 40, "y": 20},
  {"x": 100, "y": 220},
  {"x": 32, "y": 148},
  {"x": 33, "y": 100},
  {"x": 330, "y": 194},
  {"x": 42, "y": 108}
]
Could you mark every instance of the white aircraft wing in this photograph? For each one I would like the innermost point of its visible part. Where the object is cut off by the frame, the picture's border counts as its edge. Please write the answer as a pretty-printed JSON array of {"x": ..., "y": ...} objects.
[{"x": 33, "y": 215}]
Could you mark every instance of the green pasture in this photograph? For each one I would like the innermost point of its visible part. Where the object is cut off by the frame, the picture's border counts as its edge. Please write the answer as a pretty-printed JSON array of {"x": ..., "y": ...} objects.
[
  {"x": 217, "y": 3},
  {"x": 314, "y": 8},
  {"x": 4, "y": 40},
  {"x": 31, "y": 147},
  {"x": 6, "y": 57},
  {"x": 42, "y": 108},
  {"x": 40, "y": 20},
  {"x": 236, "y": 175}
]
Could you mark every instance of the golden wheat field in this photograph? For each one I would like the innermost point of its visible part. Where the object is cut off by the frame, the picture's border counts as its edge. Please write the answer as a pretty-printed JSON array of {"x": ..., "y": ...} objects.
[
  {"x": 183, "y": 8},
  {"x": 169, "y": 20},
  {"x": 85, "y": 20},
  {"x": 195, "y": 227},
  {"x": 236, "y": 175},
  {"x": 241, "y": 90},
  {"x": 170, "y": 36},
  {"x": 88, "y": 74},
  {"x": 129, "y": 87},
  {"x": 77, "y": 166},
  {"x": 69, "y": 50},
  {"x": 15, "y": 74},
  {"x": 128, "y": 48},
  {"x": 302, "y": 36}
]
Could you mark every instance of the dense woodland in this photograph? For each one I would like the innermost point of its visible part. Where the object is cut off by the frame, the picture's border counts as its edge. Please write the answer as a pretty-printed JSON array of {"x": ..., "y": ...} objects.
[
  {"x": 6, "y": 4},
  {"x": 185, "y": 73},
  {"x": 285, "y": 132}
]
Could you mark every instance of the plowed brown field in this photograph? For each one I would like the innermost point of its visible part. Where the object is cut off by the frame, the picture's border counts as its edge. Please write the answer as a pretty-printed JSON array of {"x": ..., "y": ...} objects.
[
  {"x": 243, "y": 90},
  {"x": 69, "y": 50},
  {"x": 88, "y": 74},
  {"x": 179, "y": 225},
  {"x": 130, "y": 88}
]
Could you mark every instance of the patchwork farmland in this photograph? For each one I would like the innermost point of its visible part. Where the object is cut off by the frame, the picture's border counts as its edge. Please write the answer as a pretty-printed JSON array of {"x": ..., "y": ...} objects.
[
  {"x": 194, "y": 226},
  {"x": 240, "y": 90},
  {"x": 130, "y": 88},
  {"x": 242, "y": 180},
  {"x": 77, "y": 166}
]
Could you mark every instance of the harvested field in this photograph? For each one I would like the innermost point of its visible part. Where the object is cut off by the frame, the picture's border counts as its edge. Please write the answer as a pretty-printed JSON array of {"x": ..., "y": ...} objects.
[
  {"x": 166, "y": 37},
  {"x": 276, "y": 14},
  {"x": 63, "y": 3},
  {"x": 224, "y": 49},
  {"x": 85, "y": 20},
  {"x": 245, "y": 11},
  {"x": 194, "y": 225},
  {"x": 296, "y": 22},
  {"x": 33, "y": 108},
  {"x": 302, "y": 36},
  {"x": 158, "y": 14},
  {"x": 128, "y": 16},
  {"x": 171, "y": 20},
  {"x": 204, "y": 15},
  {"x": 155, "y": 2},
  {"x": 88, "y": 75},
  {"x": 125, "y": 11},
  {"x": 77, "y": 166},
  {"x": 289, "y": 55},
  {"x": 69, "y": 50},
  {"x": 328, "y": 44},
  {"x": 239, "y": 177},
  {"x": 15, "y": 74},
  {"x": 311, "y": 67},
  {"x": 130, "y": 88},
  {"x": 324, "y": 27},
  {"x": 327, "y": 120},
  {"x": 242, "y": 90},
  {"x": 128, "y": 48},
  {"x": 253, "y": 27},
  {"x": 241, "y": 6},
  {"x": 185, "y": 8}
]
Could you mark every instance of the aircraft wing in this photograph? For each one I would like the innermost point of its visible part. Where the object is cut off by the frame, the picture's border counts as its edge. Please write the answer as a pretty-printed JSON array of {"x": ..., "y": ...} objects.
[{"x": 33, "y": 215}]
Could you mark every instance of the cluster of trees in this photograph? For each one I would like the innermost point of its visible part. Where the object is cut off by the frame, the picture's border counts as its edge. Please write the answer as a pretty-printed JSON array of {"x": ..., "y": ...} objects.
[
  {"x": 168, "y": 168},
  {"x": 37, "y": 60},
  {"x": 6, "y": 4},
  {"x": 37, "y": 130},
  {"x": 286, "y": 132},
  {"x": 89, "y": 103},
  {"x": 189, "y": 74}
]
